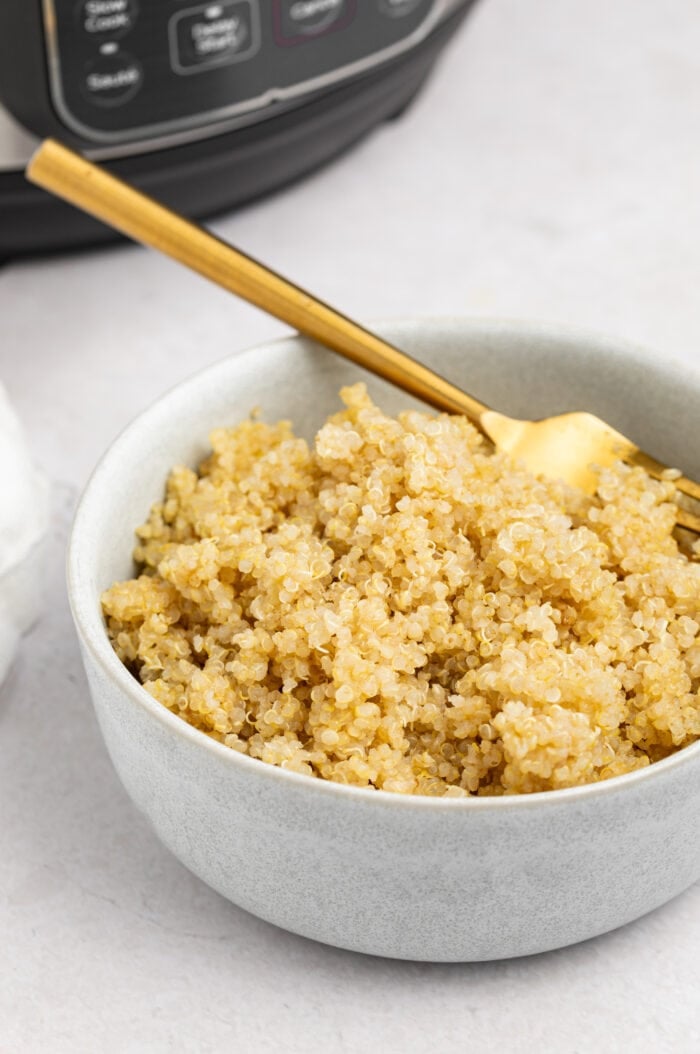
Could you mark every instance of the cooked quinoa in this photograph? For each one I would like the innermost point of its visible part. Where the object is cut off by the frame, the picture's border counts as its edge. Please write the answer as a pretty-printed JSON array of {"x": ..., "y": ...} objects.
[{"x": 400, "y": 607}]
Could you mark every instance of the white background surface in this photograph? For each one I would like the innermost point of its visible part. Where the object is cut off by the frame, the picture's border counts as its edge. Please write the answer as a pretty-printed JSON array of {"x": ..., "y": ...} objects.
[{"x": 549, "y": 170}]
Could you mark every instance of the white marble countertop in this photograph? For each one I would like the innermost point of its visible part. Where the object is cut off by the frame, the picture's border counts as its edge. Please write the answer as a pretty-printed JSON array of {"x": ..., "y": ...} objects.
[{"x": 549, "y": 170}]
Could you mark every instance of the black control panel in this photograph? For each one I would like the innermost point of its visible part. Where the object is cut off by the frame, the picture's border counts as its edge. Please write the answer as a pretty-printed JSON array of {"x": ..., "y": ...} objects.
[{"x": 126, "y": 69}]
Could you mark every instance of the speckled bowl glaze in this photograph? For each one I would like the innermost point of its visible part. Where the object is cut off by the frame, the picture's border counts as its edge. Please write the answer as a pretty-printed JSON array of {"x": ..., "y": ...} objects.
[{"x": 407, "y": 877}]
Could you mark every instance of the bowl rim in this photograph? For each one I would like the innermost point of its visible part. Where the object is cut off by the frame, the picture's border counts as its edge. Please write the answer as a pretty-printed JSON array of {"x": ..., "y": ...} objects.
[{"x": 94, "y": 639}]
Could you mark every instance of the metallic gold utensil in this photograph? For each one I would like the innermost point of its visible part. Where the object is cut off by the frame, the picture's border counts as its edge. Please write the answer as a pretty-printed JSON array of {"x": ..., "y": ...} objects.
[{"x": 566, "y": 446}]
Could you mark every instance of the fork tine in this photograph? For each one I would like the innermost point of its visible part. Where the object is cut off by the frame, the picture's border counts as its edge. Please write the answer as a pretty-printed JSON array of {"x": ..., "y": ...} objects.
[
  {"x": 688, "y": 520},
  {"x": 689, "y": 487},
  {"x": 686, "y": 486}
]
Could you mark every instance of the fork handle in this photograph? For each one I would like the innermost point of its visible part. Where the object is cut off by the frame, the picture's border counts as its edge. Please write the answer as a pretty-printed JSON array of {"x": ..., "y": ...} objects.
[{"x": 96, "y": 191}]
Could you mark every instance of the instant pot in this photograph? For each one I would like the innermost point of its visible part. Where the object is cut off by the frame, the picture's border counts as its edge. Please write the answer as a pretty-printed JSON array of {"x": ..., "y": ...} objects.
[{"x": 203, "y": 105}]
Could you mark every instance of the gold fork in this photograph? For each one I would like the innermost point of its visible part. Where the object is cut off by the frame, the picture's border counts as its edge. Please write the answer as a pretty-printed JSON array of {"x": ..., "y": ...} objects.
[{"x": 563, "y": 447}]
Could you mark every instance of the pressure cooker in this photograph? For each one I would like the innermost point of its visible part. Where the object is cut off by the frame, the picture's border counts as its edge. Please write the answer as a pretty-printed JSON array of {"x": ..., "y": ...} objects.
[{"x": 205, "y": 105}]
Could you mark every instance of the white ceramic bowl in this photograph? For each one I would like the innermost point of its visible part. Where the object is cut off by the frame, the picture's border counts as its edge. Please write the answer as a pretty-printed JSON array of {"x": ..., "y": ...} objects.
[{"x": 408, "y": 877}]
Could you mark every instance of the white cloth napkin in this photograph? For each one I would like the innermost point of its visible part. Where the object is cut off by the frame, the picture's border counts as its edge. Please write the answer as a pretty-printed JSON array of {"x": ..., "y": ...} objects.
[{"x": 24, "y": 511}]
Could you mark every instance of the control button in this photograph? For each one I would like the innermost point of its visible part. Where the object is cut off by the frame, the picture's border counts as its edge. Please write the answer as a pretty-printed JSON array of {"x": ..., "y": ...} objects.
[
  {"x": 106, "y": 18},
  {"x": 112, "y": 78},
  {"x": 398, "y": 8},
  {"x": 310, "y": 17},
  {"x": 297, "y": 20},
  {"x": 214, "y": 34}
]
